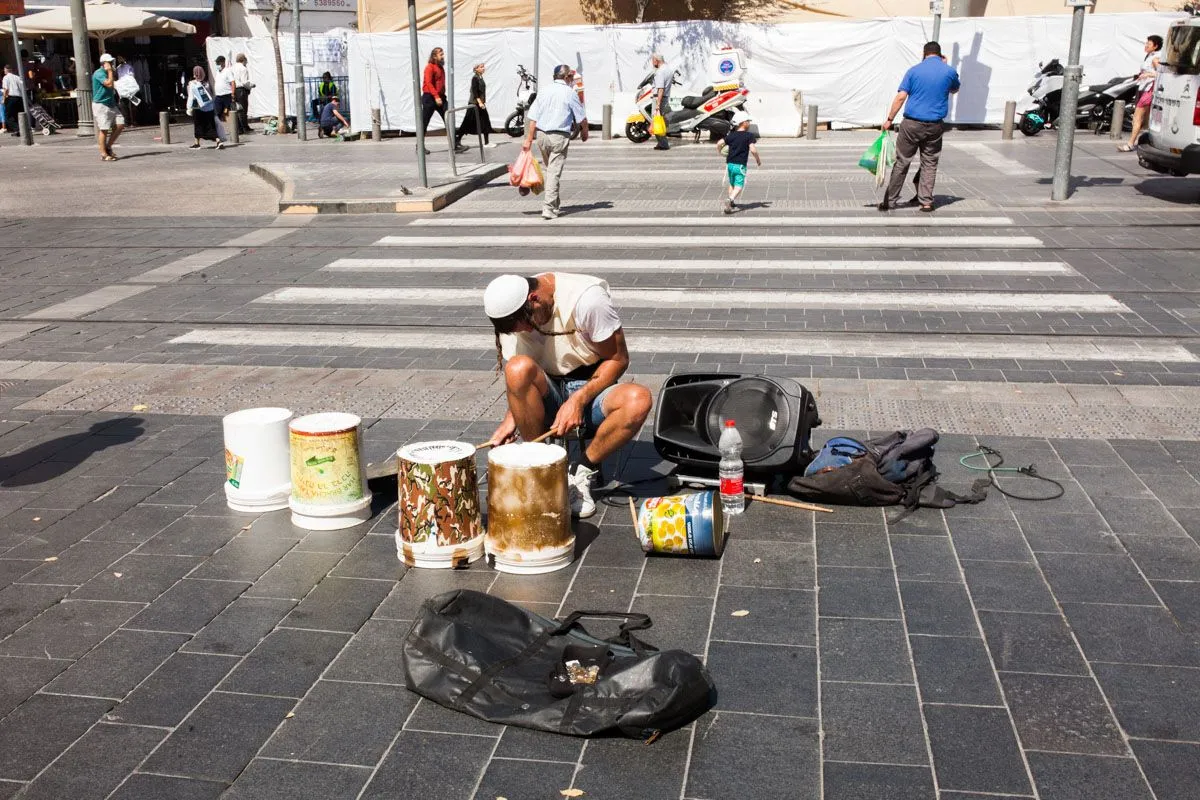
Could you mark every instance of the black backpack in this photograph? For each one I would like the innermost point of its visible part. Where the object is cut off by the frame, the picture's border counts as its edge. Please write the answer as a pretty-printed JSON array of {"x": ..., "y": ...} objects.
[
  {"x": 486, "y": 657},
  {"x": 896, "y": 469}
]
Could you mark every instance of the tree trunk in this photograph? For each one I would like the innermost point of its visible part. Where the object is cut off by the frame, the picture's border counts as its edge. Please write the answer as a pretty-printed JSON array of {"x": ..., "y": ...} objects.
[{"x": 276, "y": 11}]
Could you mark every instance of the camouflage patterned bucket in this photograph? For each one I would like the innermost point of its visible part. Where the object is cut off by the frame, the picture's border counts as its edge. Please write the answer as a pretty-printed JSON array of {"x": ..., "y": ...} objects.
[{"x": 440, "y": 524}]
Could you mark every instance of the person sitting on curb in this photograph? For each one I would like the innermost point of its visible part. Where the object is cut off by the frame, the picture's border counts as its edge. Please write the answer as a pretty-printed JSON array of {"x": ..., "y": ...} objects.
[{"x": 332, "y": 121}]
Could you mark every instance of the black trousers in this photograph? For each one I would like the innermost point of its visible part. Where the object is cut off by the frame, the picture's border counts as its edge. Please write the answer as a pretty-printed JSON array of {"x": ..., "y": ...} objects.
[
  {"x": 12, "y": 107},
  {"x": 429, "y": 107},
  {"x": 242, "y": 97}
]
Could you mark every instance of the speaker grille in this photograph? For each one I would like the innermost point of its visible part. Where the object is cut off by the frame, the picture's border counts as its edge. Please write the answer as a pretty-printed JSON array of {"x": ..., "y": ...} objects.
[{"x": 761, "y": 411}]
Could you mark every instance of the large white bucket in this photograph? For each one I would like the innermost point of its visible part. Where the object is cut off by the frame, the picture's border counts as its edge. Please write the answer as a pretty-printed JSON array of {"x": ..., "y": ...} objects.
[
  {"x": 329, "y": 480},
  {"x": 257, "y": 467},
  {"x": 529, "y": 516}
]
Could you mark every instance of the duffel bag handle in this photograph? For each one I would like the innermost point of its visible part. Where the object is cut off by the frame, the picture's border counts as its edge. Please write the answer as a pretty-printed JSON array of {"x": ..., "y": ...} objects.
[{"x": 625, "y": 638}]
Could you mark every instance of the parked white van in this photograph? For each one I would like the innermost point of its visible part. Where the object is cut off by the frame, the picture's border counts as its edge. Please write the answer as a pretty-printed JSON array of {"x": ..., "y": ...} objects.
[{"x": 1172, "y": 143}]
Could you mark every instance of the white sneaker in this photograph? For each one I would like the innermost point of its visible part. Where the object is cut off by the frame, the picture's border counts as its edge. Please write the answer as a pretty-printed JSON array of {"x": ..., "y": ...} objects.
[{"x": 579, "y": 491}]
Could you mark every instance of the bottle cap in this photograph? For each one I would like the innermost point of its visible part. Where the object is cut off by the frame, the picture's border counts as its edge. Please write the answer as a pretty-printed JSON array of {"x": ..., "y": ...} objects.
[{"x": 729, "y": 423}]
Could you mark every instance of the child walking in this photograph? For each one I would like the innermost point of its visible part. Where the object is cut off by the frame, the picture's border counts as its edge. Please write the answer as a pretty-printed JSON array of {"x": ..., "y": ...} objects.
[{"x": 740, "y": 143}]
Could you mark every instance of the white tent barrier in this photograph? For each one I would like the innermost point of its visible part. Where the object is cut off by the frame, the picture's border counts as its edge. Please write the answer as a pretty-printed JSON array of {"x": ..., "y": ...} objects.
[{"x": 320, "y": 52}]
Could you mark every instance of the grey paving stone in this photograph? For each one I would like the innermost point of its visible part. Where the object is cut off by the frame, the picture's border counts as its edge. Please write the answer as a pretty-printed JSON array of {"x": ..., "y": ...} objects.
[
  {"x": 866, "y": 650},
  {"x": 1130, "y": 515},
  {"x": 1061, "y": 714},
  {"x": 286, "y": 663},
  {"x": 873, "y": 723},
  {"x": 924, "y": 522},
  {"x": 41, "y": 728},
  {"x": 1081, "y": 777},
  {"x": 372, "y": 557},
  {"x": 1160, "y": 558},
  {"x": 20, "y": 604},
  {"x": 856, "y": 592},
  {"x": 924, "y": 558},
  {"x": 241, "y": 626},
  {"x": 758, "y": 563},
  {"x": 776, "y": 757},
  {"x": 96, "y": 764},
  {"x": 682, "y": 577},
  {"x": 626, "y": 767},
  {"x": 851, "y": 781},
  {"x": 294, "y": 575},
  {"x": 433, "y": 718},
  {"x": 786, "y": 680},
  {"x": 343, "y": 723},
  {"x": 953, "y": 669},
  {"x": 169, "y": 695},
  {"x": 138, "y": 524},
  {"x": 10, "y": 788},
  {"x": 1182, "y": 600},
  {"x": 192, "y": 536},
  {"x": 418, "y": 585},
  {"x": 938, "y": 609},
  {"x": 338, "y": 604},
  {"x": 1172, "y": 768},
  {"x": 246, "y": 558},
  {"x": 680, "y": 623},
  {"x": 848, "y": 545},
  {"x": 1007, "y": 586},
  {"x": 188, "y": 606},
  {"x": 984, "y": 539},
  {"x": 615, "y": 547},
  {"x": 371, "y": 654},
  {"x": 1068, "y": 533},
  {"x": 1152, "y": 702},
  {"x": 774, "y": 524},
  {"x": 265, "y": 779},
  {"x": 23, "y": 677},
  {"x": 219, "y": 737},
  {"x": 1031, "y": 643},
  {"x": 1135, "y": 634},
  {"x": 415, "y": 766},
  {"x": 974, "y": 750},
  {"x": 777, "y": 616},
  {"x": 136, "y": 578},
  {"x": 1095, "y": 579},
  {"x": 522, "y": 589},
  {"x": 342, "y": 541},
  {"x": 117, "y": 664},
  {"x": 67, "y": 630},
  {"x": 524, "y": 743},
  {"x": 523, "y": 780},
  {"x": 77, "y": 564}
]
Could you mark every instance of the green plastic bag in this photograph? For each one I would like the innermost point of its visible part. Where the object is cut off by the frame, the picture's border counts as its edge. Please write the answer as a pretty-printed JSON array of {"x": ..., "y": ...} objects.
[{"x": 876, "y": 156}]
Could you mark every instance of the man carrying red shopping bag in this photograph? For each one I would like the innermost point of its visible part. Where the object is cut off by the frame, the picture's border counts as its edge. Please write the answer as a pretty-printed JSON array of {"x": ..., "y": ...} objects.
[{"x": 550, "y": 120}]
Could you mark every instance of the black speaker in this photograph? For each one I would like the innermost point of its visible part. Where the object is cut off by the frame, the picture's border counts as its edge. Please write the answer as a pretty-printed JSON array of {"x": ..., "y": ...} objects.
[{"x": 775, "y": 417}]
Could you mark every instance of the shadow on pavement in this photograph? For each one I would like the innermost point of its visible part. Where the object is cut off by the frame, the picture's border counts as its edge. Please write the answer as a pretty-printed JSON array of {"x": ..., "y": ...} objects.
[
  {"x": 48, "y": 460},
  {"x": 1172, "y": 190}
]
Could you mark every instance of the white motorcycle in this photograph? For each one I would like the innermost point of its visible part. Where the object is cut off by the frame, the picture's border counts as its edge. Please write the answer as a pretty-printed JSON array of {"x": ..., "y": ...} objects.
[{"x": 712, "y": 111}]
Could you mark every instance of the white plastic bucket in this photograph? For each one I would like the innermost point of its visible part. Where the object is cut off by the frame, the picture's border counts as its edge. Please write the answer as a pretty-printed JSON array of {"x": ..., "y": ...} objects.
[
  {"x": 529, "y": 516},
  {"x": 257, "y": 465},
  {"x": 329, "y": 480}
]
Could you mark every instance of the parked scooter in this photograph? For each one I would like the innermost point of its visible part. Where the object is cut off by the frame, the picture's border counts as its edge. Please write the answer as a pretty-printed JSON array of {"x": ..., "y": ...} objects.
[
  {"x": 1046, "y": 91},
  {"x": 515, "y": 124},
  {"x": 710, "y": 111},
  {"x": 1101, "y": 114}
]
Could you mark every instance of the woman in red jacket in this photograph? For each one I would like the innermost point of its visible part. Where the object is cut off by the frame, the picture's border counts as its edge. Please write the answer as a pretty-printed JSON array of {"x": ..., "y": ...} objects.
[{"x": 433, "y": 95}]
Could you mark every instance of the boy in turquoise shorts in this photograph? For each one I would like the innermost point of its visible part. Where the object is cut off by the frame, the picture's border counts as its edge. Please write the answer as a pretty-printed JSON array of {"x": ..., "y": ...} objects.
[{"x": 737, "y": 146}]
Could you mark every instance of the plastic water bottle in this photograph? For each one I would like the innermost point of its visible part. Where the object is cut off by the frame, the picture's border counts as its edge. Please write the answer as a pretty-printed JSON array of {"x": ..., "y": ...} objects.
[{"x": 733, "y": 497}]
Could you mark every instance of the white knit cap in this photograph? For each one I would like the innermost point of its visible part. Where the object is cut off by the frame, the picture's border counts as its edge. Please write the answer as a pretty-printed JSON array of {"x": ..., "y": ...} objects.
[{"x": 505, "y": 295}]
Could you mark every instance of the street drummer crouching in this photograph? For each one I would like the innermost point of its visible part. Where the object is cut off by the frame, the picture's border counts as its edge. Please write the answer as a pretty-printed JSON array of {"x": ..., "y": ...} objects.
[{"x": 560, "y": 343}]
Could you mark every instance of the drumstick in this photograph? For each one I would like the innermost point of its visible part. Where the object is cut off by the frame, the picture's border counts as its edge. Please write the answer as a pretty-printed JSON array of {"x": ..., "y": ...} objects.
[
  {"x": 633, "y": 513},
  {"x": 789, "y": 503},
  {"x": 541, "y": 438}
]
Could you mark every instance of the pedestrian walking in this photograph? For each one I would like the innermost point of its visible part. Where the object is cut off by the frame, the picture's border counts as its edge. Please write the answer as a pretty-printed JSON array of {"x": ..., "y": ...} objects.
[
  {"x": 433, "y": 96},
  {"x": 108, "y": 120},
  {"x": 550, "y": 120},
  {"x": 201, "y": 107},
  {"x": 223, "y": 90},
  {"x": 664, "y": 76},
  {"x": 925, "y": 96},
  {"x": 1146, "y": 78},
  {"x": 476, "y": 119},
  {"x": 738, "y": 146},
  {"x": 13, "y": 105},
  {"x": 241, "y": 92}
]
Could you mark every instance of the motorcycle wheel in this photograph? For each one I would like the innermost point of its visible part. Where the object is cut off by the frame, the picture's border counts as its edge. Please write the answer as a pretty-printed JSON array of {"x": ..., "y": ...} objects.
[
  {"x": 515, "y": 124},
  {"x": 1028, "y": 127},
  {"x": 637, "y": 132}
]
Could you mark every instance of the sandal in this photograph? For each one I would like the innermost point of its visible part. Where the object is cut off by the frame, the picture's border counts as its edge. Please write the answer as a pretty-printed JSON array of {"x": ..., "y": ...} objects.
[
  {"x": 1124, "y": 149},
  {"x": 108, "y": 158}
]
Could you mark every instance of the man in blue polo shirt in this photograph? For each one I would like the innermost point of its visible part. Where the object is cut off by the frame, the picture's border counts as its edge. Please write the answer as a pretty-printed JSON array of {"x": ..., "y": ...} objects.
[{"x": 925, "y": 95}]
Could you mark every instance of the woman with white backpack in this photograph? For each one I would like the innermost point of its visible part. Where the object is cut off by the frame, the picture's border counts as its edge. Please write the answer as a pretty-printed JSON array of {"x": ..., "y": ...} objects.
[{"x": 201, "y": 108}]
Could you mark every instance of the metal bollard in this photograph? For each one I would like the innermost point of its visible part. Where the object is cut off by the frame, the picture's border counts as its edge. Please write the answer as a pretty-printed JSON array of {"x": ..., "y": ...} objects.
[
  {"x": 1117, "y": 129},
  {"x": 301, "y": 115},
  {"x": 376, "y": 125},
  {"x": 810, "y": 127},
  {"x": 606, "y": 131},
  {"x": 235, "y": 136},
  {"x": 1010, "y": 118},
  {"x": 23, "y": 127},
  {"x": 164, "y": 126}
]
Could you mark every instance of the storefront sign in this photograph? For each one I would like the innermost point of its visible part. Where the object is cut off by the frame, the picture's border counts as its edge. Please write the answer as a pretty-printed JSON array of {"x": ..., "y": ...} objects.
[{"x": 264, "y": 6}]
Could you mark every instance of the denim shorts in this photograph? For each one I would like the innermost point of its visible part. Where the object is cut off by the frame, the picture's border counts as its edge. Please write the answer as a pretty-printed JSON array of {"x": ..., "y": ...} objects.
[
  {"x": 593, "y": 412},
  {"x": 736, "y": 174}
]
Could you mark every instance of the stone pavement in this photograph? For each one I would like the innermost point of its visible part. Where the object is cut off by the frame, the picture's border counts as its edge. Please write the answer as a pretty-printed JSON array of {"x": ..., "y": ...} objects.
[{"x": 154, "y": 644}]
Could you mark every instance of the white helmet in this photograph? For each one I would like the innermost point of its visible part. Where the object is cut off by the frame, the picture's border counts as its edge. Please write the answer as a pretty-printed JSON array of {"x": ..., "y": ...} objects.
[{"x": 505, "y": 295}]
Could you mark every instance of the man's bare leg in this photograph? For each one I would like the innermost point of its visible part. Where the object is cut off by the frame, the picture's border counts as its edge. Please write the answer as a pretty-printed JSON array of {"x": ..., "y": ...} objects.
[
  {"x": 525, "y": 386},
  {"x": 626, "y": 408}
]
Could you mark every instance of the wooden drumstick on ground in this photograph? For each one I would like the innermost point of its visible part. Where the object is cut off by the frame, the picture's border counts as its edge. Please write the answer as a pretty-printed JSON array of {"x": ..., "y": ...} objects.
[{"x": 789, "y": 503}]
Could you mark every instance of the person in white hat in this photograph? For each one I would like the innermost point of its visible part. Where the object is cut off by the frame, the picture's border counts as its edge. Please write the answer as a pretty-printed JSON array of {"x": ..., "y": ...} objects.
[
  {"x": 737, "y": 146},
  {"x": 108, "y": 119},
  {"x": 560, "y": 344}
]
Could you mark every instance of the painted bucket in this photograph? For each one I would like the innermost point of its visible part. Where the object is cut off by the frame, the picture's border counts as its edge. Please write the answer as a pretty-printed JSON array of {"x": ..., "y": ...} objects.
[
  {"x": 329, "y": 484},
  {"x": 529, "y": 516},
  {"x": 682, "y": 524},
  {"x": 257, "y": 467},
  {"x": 439, "y": 523}
]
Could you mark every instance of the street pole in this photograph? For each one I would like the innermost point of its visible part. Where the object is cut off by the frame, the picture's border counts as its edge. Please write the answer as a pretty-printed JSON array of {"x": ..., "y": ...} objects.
[
  {"x": 537, "y": 34},
  {"x": 20, "y": 66},
  {"x": 450, "y": 84},
  {"x": 416, "y": 82},
  {"x": 1072, "y": 75},
  {"x": 302, "y": 111},
  {"x": 83, "y": 69},
  {"x": 936, "y": 6}
]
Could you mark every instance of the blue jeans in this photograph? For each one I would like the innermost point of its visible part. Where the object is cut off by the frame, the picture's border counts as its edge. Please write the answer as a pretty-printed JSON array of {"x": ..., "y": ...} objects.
[{"x": 560, "y": 390}]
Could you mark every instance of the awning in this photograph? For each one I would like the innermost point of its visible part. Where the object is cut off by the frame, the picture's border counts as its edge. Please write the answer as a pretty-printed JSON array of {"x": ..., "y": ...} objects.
[{"x": 185, "y": 10}]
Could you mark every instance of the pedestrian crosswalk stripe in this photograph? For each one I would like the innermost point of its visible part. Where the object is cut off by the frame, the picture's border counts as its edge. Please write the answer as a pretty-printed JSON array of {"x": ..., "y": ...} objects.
[
  {"x": 986, "y": 155},
  {"x": 577, "y": 241},
  {"x": 729, "y": 298},
  {"x": 795, "y": 344},
  {"x": 525, "y": 266},
  {"x": 740, "y": 221}
]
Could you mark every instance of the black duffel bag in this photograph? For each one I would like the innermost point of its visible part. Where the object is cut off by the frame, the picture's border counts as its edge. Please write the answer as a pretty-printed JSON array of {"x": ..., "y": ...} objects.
[{"x": 478, "y": 654}]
